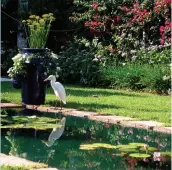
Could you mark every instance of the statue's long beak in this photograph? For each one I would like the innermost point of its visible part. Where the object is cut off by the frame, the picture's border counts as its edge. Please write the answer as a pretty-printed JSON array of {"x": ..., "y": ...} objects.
[
  {"x": 49, "y": 143},
  {"x": 43, "y": 141},
  {"x": 46, "y": 80}
]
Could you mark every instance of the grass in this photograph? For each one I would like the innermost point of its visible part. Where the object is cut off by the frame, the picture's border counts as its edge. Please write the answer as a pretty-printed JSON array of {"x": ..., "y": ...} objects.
[{"x": 142, "y": 106}]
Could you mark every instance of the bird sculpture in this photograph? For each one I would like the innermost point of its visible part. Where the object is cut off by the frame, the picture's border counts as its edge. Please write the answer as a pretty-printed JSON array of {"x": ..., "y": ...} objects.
[
  {"x": 56, "y": 133},
  {"x": 58, "y": 89}
]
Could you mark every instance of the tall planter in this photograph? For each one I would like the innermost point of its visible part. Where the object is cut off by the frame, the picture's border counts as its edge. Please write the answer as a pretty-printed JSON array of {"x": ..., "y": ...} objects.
[{"x": 33, "y": 86}]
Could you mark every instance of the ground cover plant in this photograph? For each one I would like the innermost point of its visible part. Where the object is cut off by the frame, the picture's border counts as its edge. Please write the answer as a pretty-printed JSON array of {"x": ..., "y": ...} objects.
[{"x": 142, "y": 106}]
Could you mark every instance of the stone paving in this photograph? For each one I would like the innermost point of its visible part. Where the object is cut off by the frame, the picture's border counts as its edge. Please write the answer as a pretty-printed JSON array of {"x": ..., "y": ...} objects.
[
  {"x": 16, "y": 161},
  {"x": 10, "y": 105}
]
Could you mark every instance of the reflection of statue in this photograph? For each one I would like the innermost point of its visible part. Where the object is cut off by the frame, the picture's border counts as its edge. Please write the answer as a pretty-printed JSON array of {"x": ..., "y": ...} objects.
[{"x": 56, "y": 133}]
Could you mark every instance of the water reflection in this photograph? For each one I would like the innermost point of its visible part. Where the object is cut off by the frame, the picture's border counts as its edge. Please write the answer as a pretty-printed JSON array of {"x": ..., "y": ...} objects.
[
  {"x": 56, "y": 133},
  {"x": 68, "y": 153}
]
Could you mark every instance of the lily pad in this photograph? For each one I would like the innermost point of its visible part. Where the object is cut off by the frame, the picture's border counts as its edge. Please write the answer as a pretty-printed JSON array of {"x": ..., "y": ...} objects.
[
  {"x": 138, "y": 144},
  {"x": 86, "y": 148},
  {"x": 149, "y": 149},
  {"x": 39, "y": 123},
  {"x": 96, "y": 146},
  {"x": 104, "y": 145},
  {"x": 31, "y": 126},
  {"x": 127, "y": 146},
  {"x": 139, "y": 155}
]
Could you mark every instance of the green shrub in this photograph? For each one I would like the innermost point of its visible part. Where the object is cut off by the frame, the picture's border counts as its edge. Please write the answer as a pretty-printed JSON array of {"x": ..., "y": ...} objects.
[
  {"x": 155, "y": 55},
  {"x": 78, "y": 65},
  {"x": 154, "y": 78},
  {"x": 6, "y": 60}
]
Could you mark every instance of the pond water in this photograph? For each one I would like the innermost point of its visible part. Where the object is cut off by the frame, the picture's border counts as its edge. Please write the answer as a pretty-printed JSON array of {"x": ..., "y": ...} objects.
[{"x": 84, "y": 144}]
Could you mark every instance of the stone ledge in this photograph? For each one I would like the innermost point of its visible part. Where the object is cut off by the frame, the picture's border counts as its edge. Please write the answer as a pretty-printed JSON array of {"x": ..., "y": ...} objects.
[
  {"x": 11, "y": 105},
  {"x": 10, "y": 160},
  {"x": 110, "y": 119},
  {"x": 120, "y": 120}
]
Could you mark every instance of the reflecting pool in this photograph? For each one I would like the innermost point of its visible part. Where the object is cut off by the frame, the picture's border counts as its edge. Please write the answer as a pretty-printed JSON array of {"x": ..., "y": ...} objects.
[{"x": 84, "y": 144}]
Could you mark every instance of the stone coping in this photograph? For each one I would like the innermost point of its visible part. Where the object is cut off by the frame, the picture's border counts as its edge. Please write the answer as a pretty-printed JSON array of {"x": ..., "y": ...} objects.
[
  {"x": 112, "y": 119},
  {"x": 10, "y": 105},
  {"x": 10, "y": 160}
]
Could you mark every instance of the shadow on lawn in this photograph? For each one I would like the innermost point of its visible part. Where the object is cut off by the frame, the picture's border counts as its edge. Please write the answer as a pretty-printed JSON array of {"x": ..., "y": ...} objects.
[
  {"x": 98, "y": 93},
  {"x": 83, "y": 106}
]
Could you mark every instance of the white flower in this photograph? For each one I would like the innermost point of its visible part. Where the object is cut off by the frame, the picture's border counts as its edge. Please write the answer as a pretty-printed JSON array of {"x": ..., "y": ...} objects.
[
  {"x": 96, "y": 55},
  {"x": 123, "y": 35},
  {"x": 99, "y": 56},
  {"x": 27, "y": 61},
  {"x": 58, "y": 68},
  {"x": 54, "y": 55},
  {"x": 18, "y": 56},
  {"x": 24, "y": 55},
  {"x": 95, "y": 59},
  {"x": 20, "y": 59},
  {"x": 133, "y": 51},
  {"x": 9, "y": 70},
  {"x": 119, "y": 52},
  {"x": 151, "y": 62},
  {"x": 123, "y": 54},
  {"x": 136, "y": 43},
  {"x": 134, "y": 57},
  {"x": 123, "y": 64},
  {"x": 87, "y": 44},
  {"x": 129, "y": 35},
  {"x": 166, "y": 77}
]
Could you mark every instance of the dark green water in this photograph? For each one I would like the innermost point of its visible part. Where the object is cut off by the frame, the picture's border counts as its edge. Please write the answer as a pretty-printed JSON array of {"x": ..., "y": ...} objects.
[{"x": 66, "y": 154}]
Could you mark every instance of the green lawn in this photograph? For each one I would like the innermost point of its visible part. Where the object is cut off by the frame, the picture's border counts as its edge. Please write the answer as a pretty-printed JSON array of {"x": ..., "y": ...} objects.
[{"x": 142, "y": 106}]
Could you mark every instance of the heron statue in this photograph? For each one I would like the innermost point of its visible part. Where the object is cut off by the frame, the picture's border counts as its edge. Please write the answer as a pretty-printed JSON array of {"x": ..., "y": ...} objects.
[{"x": 58, "y": 89}]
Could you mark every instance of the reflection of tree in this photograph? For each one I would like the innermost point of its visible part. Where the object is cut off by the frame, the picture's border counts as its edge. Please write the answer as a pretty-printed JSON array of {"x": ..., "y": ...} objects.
[
  {"x": 15, "y": 145},
  {"x": 115, "y": 134},
  {"x": 29, "y": 148}
]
